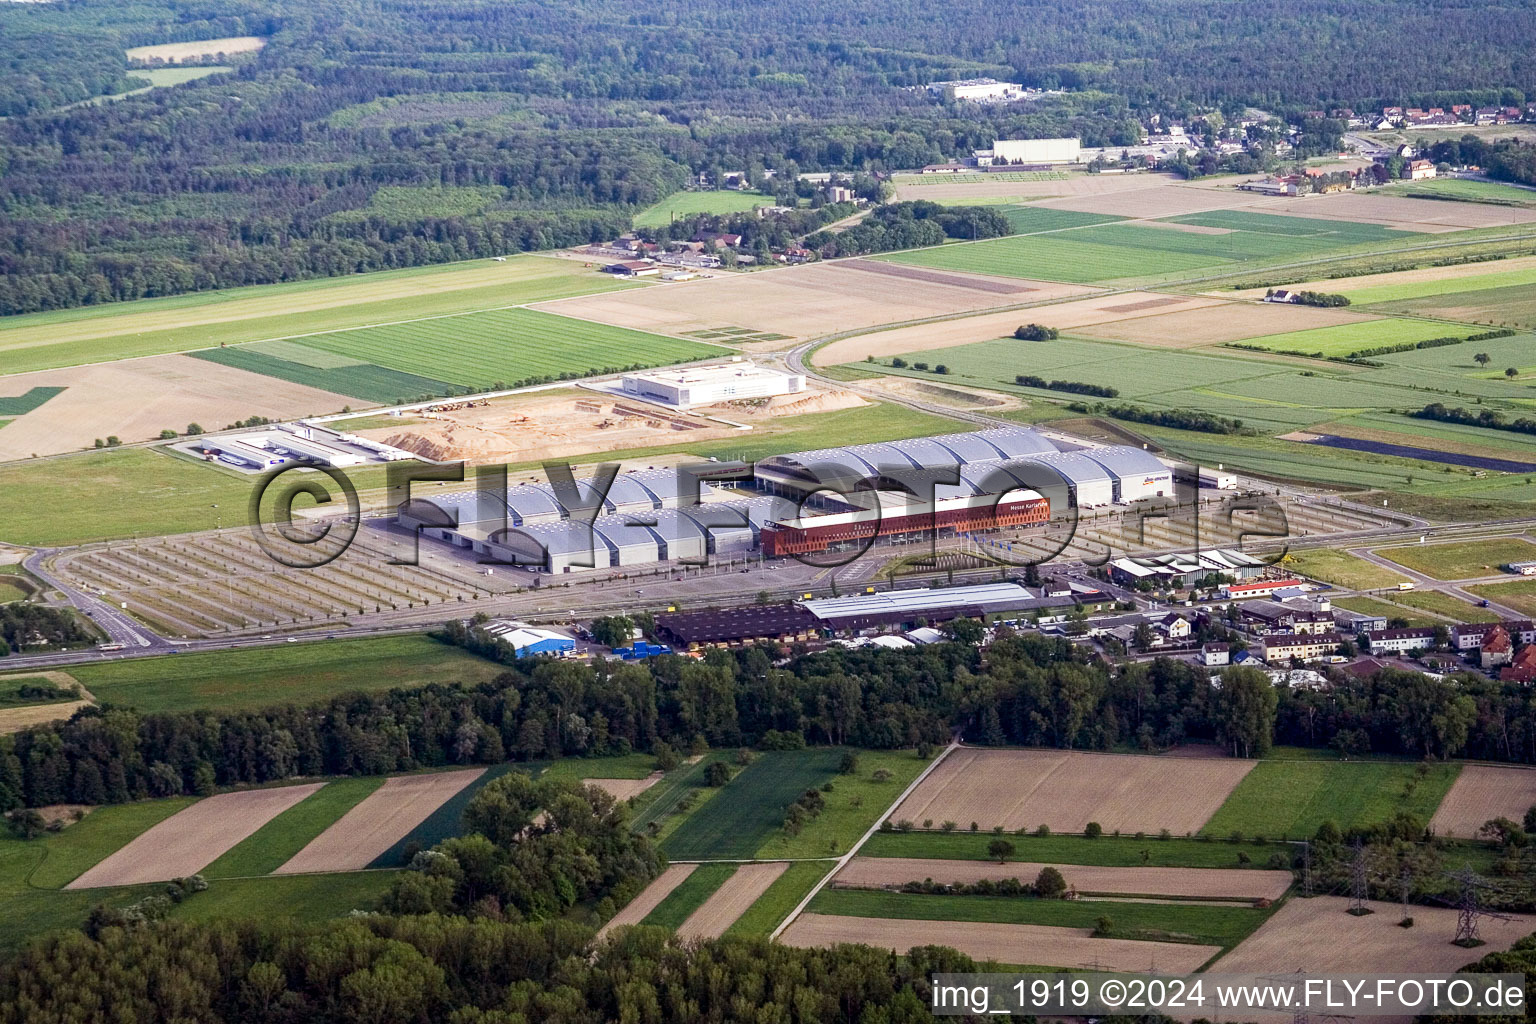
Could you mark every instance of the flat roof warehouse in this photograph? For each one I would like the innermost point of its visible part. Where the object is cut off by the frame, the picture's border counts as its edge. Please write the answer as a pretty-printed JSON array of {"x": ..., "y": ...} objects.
[{"x": 1009, "y": 476}]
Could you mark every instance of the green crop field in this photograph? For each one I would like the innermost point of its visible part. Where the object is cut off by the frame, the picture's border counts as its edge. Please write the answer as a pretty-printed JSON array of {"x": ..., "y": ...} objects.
[
  {"x": 1517, "y": 594},
  {"x": 1511, "y": 306},
  {"x": 689, "y": 895},
  {"x": 746, "y": 812},
  {"x": 275, "y": 843},
  {"x": 33, "y": 872},
  {"x": 234, "y": 316},
  {"x": 20, "y": 405},
  {"x": 1205, "y": 925},
  {"x": 264, "y": 676},
  {"x": 1290, "y": 799},
  {"x": 781, "y": 897},
  {"x": 1472, "y": 191},
  {"x": 303, "y": 898},
  {"x": 856, "y": 802},
  {"x": 1342, "y": 569},
  {"x": 10, "y": 686},
  {"x": 376, "y": 384},
  {"x": 1462, "y": 560},
  {"x": 1342, "y": 339},
  {"x": 1371, "y": 606},
  {"x": 1452, "y": 608},
  {"x": 1430, "y": 286},
  {"x": 1053, "y": 257},
  {"x": 1028, "y": 220},
  {"x": 1335, "y": 232},
  {"x": 684, "y": 204},
  {"x": 1106, "y": 851}
]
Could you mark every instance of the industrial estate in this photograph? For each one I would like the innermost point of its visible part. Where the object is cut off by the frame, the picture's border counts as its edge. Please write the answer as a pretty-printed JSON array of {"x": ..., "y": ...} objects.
[{"x": 465, "y": 490}]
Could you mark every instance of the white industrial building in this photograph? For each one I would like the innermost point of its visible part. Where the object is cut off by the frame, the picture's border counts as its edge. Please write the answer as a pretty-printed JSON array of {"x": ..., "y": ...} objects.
[
  {"x": 689, "y": 386},
  {"x": 1137, "y": 474},
  {"x": 977, "y": 90},
  {"x": 1036, "y": 151}
]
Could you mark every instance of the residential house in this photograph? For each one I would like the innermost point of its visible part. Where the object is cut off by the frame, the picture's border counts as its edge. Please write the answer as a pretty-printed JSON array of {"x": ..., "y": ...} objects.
[
  {"x": 1488, "y": 115},
  {"x": 1398, "y": 641},
  {"x": 1497, "y": 649},
  {"x": 1299, "y": 646},
  {"x": 1216, "y": 655},
  {"x": 1173, "y": 626},
  {"x": 1522, "y": 668},
  {"x": 1420, "y": 169},
  {"x": 1263, "y": 616},
  {"x": 1469, "y": 636}
]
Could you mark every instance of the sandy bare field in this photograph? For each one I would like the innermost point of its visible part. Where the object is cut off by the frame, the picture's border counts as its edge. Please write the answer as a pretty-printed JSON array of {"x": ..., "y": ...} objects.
[
  {"x": 378, "y": 822},
  {"x": 1155, "y": 198},
  {"x": 802, "y": 302},
  {"x": 977, "y": 187},
  {"x": 649, "y": 897},
  {"x": 576, "y": 421},
  {"x": 971, "y": 329},
  {"x": 1482, "y": 792},
  {"x": 623, "y": 789},
  {"x": 28, "y": 715},
  {"x": 1344, "y": 284},
  {"x": 1210, "y": 883},
  {"x": 730, "y": 901},
  {"x": 1006, "y": 943},
  {"x": 1319, "y": 935},
  {"x": 170, "y": 53},
  {"x": 190, "y": 840},
  {"x": 1213, "y": 325},
  {"x": 137, "y": 398},
  {"x": 1065, "y": 790},
  {"x": 1425, "y": 215}
]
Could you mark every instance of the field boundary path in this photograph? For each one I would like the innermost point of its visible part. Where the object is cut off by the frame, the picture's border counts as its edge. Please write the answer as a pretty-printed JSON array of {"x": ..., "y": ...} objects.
[{"x": 842, "y": 861}]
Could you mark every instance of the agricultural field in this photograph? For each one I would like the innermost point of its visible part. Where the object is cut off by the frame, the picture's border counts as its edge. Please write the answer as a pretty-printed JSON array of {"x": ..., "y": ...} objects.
[
  {"x": 680, "y": 903},
  {"x": 1483, "y": 792},
  {"x": 190, "y": 840},
  {"x": 1290, "y": 799},
  {"x": 1453, "y": 609},
  {"x": 1056, "y": 257},
  {"x": 1510, "y": 306},
  {"x": 20, "y": 405},
  {"x": 1066, "y": 790},
  {"x": 1319, "y": 935},
  {"x": 1018, "y": 944},
  {"x": 1468, "y": 190},
  {"x": 743, "y": 815},
  {"x": 276, "y": 841},
  {"x": 1461, "y": 560},
  {"x": 1123, "y": 851},
  {"x": 727, "y": 903},
  {"x": 1196, "y": 883},
  {"x": 172, "y": 53},
  {"x": 1202, "y": 925},
  {"x": 1517, "y": 594},
  {"x": 780, "y": 898},
  {"x": 264, "y": 676},
  {"x": 234, "y": 316},
  {"x": 1344, "y": 339},
  {"x": 303, "y": 898},
  {"x": 1429, "y": 282},
  {"x": 473, "y": 351},
  {"x": 1342, "y": 569},
  {"x": 651, "y": 897},
  {"x": 856, "y": 802},
  {"x": 372, "y": 827},
  {"x": 684, "y": 204}
]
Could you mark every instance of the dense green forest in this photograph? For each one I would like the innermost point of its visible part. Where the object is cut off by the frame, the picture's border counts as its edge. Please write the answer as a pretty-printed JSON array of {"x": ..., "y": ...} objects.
[
  {"x": 1031, "y": 691},
  {"x": 533, "y": 125}
]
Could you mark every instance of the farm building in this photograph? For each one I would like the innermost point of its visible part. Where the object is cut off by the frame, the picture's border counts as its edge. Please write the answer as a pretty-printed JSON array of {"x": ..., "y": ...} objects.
[
  {"x": 631, "y": 268},
  {"x": 706, "y": 385}
]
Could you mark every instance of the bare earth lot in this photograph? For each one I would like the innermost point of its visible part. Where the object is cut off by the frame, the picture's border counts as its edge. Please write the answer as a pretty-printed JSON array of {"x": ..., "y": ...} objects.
[
  {"x": 170, "y": 53},
  {"x": 190, "y": 840},
  {"x": 649, "y": 897},
  {"x": 977, "y": 186},
  {"x": 1401, "y": 212},
  {"x": 137, "y": 398},
  {"x": 1482, "y": 792},
  {"x": 1006, "y": 943},
  {"x": 378, "y": 822},
  {"x": 1130, "y": 308},
  {"x": 1214, "y": 325},
  {"x": 1066, "y": 790},
  {"x": 1204, "y": 883},
  {"x": 802, "y": 302},
  {"x": 1319, "y": 935},
  {"x": 623, "y": 789},
  {"x": 730, "y": 901}
]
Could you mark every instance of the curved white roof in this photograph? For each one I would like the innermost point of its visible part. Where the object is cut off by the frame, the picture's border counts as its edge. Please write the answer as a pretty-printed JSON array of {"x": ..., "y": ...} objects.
[
  {"x": 1124, "y": 460},
  {"x": 1016, "y": 441}
]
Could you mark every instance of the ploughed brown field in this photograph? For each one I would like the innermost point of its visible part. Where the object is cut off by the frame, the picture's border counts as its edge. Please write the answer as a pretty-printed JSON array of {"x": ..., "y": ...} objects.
[
  {"x": 1065, "y": 790},
  {"x": 190, "y": 840},
  {"x": 1320, "y": 935},
  {"x": 649, "y": 897},
  {"x": 1204, "y": 883},
  {"x": 1006, "y": 943},
  {"x": 1214, "y": 325},
  {"x": 378, "y": 822},
  {"x": 1482, "y": 792},
  {"x": 731, "y": 900},
  {"x": 804, "y": 302},
  {"x": 623, "y": 789}
]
